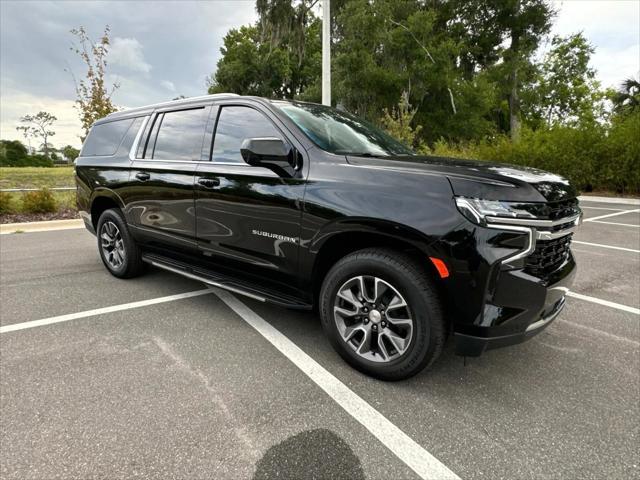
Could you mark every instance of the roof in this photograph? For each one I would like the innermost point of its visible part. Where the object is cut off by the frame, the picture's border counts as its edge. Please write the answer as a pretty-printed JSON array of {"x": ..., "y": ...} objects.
[{"x": 150, "y": 108}]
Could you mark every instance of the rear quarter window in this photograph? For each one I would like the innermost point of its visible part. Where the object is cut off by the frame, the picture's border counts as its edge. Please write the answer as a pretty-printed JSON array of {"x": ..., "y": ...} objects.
[{"x": 105, "y": 138}]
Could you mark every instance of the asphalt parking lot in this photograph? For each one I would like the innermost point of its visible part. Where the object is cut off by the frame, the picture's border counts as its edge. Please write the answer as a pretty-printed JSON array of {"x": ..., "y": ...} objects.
[{"x": 208, "y": 385}]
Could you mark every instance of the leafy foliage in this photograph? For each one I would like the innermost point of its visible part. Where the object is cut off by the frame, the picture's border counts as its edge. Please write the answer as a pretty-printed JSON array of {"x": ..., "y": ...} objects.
[
  {"x": 38, "y": 126},
  {"x": 40, "y": 201},
  {"x": 278, "y": 57},
  {"x": 5, "y": 203},
  {"x": 93, "y": 97},
  {"x": 593, "y": 156},
  {"x": 565, "y": 90},
  {"x": 70, "y": 153},
  {"x": 14, "y": 154},
  {"x": 627, "y": 99}
]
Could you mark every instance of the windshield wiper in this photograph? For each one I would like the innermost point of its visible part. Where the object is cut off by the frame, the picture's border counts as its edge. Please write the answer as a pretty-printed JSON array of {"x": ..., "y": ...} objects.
[{"x": 359, "y": 154}]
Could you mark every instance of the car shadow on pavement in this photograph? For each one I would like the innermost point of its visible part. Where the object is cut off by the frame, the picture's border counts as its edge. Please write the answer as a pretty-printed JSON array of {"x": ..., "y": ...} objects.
[{"x": 318, "y": 453}]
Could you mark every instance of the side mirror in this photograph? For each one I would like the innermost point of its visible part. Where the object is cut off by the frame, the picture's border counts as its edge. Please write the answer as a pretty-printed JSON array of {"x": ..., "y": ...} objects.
[
  {"x": 271, "y": 153},
  {"x": 257, "y": 151}
]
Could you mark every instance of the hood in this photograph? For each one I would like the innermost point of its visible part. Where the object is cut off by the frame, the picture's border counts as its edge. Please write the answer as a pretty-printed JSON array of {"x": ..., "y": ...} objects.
[{"x": 479, "y": 179}]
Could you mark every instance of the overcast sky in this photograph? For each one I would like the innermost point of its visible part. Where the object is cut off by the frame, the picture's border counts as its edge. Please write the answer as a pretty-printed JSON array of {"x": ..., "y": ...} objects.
[{"x": 164, "y": 49}]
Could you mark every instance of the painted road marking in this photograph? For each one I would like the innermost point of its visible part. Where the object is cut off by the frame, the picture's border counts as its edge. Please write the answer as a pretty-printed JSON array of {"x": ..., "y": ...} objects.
[
  {"x": 606, "y": 303},
  {"x": 597, "y": 331},
  {"x": 609, "y": 215},
  {"x": 99, "y": 311},
  {"x": 621, "y": 224},
  {"x": 403, "y": 446},
  {"x": 606, "y": 246},
  {"x": 603, "y": 208},
  {"x": 619, "y": 201}
]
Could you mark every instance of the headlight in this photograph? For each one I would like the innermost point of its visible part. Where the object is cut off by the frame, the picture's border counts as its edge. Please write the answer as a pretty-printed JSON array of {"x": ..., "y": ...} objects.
[{"x": 477, "y": 210}]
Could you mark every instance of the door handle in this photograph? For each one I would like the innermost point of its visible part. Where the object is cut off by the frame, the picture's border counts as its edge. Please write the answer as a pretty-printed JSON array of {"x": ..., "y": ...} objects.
[
  {"x": 209, "y": 182},
  {"x": 144, "y": 176}
]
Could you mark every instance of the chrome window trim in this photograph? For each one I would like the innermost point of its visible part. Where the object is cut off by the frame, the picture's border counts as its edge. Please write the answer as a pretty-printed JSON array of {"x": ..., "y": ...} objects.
[
  {"x": 136, "y": 141},
  {"x": 199, "y": 162}
]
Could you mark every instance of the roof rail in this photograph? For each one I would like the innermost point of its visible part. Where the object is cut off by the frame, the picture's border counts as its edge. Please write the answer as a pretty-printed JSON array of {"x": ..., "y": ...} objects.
[{"x": 182, "y": 100}]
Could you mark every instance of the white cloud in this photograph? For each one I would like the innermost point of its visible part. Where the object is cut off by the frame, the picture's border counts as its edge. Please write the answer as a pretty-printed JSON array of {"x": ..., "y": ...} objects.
[
  {"x": 15, "y": 104},
  {"x": 127, "y": 52},
  {"x": 612, "y": 27},
  {"x": 168, "y": 85}
]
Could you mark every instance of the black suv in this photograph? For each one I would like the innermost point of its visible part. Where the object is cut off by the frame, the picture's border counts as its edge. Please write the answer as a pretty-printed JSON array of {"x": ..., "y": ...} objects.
[{"x": 305, "y": 206}]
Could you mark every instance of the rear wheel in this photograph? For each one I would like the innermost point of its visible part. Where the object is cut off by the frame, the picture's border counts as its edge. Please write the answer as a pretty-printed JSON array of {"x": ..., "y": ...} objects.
[
  {"x": 382, "y": 313},
  {"x": 118, "y": 250}
]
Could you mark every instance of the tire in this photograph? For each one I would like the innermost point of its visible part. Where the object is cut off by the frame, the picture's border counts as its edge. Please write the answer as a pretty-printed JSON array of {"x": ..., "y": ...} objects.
[
  {"x": 116, "y": 243},
  {"x": 411, "y": 337}
]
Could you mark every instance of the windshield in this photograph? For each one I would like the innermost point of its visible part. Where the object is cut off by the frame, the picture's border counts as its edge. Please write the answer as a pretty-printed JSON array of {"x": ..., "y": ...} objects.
[{"x": 340, "y": 132}]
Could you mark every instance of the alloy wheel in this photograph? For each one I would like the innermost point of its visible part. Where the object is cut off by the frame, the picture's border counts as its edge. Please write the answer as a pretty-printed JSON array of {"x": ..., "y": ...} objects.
[
  {"x": 373, "y": 318},
  {"x": 112, "y": 244}
]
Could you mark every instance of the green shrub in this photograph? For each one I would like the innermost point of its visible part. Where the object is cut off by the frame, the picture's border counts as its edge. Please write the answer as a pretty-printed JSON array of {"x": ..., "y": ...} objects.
[
  {"x": 592, "y": 157},
  {"x": 40, "y": 201},
  {"x": 5, "y": 203}
]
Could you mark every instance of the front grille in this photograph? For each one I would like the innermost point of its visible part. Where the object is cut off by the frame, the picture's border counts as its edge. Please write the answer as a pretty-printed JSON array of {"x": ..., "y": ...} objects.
[{"x": 548, "y": 256}]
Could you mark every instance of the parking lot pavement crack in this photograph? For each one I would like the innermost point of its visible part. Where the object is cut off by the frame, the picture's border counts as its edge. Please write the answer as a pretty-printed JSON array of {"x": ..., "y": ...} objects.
[{"x": 252, "y": 452}]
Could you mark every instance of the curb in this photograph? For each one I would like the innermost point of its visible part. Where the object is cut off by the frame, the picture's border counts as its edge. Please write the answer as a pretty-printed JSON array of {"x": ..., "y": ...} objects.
[
  {"x": 619, "y": 201},
  {"x": 27, "y": 227}
]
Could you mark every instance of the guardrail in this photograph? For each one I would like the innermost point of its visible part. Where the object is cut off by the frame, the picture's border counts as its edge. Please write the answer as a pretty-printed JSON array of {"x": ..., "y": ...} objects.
[{"x": 35, "y": 189}]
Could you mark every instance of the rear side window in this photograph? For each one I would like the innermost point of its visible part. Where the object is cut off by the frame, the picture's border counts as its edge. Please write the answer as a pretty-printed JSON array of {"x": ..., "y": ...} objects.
[
  {"x": 180, "y": 135},
  {"x": 105, "y": 138},
  {"x": 235, "y": 124}
]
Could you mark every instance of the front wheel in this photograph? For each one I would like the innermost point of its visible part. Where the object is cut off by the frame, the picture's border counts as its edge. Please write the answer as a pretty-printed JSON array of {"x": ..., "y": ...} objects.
[
  {"x": 118, "y": 250},
  {"x": 382, "y": 313}
]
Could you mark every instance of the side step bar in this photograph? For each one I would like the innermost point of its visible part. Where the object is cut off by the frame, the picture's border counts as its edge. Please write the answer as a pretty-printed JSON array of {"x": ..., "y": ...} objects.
[{"x": 225, "y": 282}]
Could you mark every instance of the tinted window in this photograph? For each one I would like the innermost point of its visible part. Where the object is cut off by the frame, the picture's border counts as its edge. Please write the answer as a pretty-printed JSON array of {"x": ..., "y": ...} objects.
[
  {"x": 340, "y": 132},
  {"x": 234, "y": 125},
  {"x": 104, "y": 139},
  {"x": 180, "y": 135}
]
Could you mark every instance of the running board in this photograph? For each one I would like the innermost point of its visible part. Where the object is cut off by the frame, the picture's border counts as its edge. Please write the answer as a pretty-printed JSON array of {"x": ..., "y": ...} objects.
[{"x": 216, "y": 279}]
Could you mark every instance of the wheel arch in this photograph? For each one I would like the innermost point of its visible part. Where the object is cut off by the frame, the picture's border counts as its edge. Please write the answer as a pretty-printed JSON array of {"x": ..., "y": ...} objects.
[
  {"x": 103, "y": 199},
  {"x": 343, "y": 238}
]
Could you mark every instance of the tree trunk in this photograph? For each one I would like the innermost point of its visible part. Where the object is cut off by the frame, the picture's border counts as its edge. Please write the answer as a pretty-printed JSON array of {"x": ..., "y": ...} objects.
[
  {"x": 514, "y": 106},
  {"x": 514, "y": 99}
]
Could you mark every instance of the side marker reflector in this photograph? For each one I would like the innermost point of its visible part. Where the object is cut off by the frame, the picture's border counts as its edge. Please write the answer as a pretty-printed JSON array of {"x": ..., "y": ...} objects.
[{"x": 443, "y": 271}]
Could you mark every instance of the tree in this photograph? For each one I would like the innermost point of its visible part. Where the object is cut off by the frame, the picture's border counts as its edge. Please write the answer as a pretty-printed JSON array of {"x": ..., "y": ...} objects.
[
  {"x": 398, "y": 123},
  {"x": 277, "y": 57},
  {"x": 93, "y": 97},
  {"x": 565, "y": 90},
  {"x": 70, "y": 153},
  {"x": 12, "y": 153},
  {"x": 27, "y": 133},
  {"x": 39, "y": 125},
  {"x": 627, "y": 99},
  {"x": 525, "y": 23},
  {"x": 461, "y": 64}
]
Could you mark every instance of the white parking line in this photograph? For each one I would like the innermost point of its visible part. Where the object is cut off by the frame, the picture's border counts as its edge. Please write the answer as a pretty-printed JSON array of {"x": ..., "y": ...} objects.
[
  {"x": 602, "y": 208},
  {"x": 606, "y": 246},
  {"x": 620, "y": 224},
  {"x": 608, "y": 215},
  {"x": 597, "y": 331},
  {"x": 606, "y": 303},
  {"x": 618, "y": 200},
  {"x": 403, "y": 446},
  {"x": 99, "y": 311}
]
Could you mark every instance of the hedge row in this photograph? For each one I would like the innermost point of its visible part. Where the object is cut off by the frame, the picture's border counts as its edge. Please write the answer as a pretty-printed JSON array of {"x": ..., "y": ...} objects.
[{"x": 594, "y": 158}]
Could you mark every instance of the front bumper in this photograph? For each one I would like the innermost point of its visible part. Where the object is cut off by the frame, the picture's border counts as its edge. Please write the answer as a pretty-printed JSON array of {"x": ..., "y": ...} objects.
[{"x": 521, "y": 306}]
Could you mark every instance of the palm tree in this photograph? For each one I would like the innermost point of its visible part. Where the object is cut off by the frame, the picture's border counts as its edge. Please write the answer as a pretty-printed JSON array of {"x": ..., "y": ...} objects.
[{"x": 627, "y": 98}]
